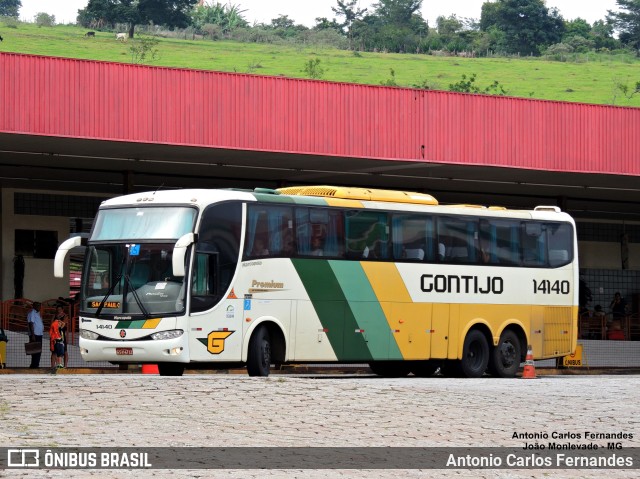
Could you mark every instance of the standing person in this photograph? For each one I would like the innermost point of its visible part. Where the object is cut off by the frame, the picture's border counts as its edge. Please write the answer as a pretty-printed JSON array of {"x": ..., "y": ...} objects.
[
  {"x": 617, "y": 306},
  {"x": 56, "y": 341},
  {"x": 63, "y": 331},
  {"x": 36, "y": 331}
]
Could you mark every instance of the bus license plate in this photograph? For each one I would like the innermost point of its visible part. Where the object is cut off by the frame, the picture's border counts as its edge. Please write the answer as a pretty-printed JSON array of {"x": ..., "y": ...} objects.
[{"x": 124, "y": 351}]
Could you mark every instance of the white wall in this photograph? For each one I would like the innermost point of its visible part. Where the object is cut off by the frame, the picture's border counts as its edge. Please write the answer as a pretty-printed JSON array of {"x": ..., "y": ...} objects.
[
  {"x": 39, "y": 283},
  {"x": 600, "y": 255}
]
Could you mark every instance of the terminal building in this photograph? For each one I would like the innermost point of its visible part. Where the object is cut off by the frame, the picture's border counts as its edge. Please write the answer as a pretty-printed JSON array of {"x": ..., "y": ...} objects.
[{"x": 75, "y": 132}]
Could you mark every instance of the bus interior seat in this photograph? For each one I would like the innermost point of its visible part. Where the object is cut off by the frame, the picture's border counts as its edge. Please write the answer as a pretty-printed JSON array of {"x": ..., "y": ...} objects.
[{"x": 414, "y": 253}]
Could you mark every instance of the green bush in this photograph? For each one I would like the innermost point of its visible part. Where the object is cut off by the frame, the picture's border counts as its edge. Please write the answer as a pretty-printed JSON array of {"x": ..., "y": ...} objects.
[{"x": 559, "y": 52}]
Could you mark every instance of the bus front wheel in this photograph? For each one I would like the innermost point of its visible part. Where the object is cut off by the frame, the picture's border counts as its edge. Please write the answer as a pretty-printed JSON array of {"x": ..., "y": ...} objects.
[
  {"x": 506, "y": 356},
  {"x": 259, "y": 358},
  {"x": 475, "y": 354}
]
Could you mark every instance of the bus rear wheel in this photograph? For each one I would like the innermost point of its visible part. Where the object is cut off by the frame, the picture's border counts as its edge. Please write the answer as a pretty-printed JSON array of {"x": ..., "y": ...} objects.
[
  {"x": 259, "y": 358},
  {"x": 170, "y": 369},
  {"x": 475, "y": 354},
  {"x": 506, "y": 356}
]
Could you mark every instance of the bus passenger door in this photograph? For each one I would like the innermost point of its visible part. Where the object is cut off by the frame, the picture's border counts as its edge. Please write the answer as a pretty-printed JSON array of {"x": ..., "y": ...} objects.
[{"x": 440, "y": 330}]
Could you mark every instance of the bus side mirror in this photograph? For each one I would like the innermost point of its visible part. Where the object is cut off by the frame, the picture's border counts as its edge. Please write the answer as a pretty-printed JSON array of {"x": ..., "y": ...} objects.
[
  {"x": 61, "y": 254},
  {"x": 179, "y": 253}
]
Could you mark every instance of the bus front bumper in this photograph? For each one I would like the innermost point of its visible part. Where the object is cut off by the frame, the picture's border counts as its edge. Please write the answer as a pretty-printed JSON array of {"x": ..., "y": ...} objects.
[{"x": 142, "y": 351}]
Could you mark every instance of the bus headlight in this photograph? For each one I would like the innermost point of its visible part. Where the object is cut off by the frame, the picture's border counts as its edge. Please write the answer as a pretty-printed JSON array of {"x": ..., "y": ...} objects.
[
  {"x": 174, "y": 333},
  {"x": 86, "y": 334}
]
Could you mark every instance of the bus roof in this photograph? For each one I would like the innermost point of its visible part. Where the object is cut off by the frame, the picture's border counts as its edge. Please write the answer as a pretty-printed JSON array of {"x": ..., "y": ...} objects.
[{"x": 336, "y": 196}]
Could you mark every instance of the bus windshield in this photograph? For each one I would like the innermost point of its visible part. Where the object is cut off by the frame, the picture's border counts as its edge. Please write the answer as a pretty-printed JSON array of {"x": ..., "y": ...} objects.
[
  {"x": 131, "y": 279},
  {"x": 147, "y": 223}
]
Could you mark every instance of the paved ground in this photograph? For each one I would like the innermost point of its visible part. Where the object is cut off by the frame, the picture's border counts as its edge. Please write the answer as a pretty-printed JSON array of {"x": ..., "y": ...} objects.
[{"x": 218, "y": 410}]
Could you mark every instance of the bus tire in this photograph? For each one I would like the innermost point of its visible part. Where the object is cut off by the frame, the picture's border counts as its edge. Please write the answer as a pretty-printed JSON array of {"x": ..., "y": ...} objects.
[
  {"x": 171, "y": 369},
  {"x": 390, "y": 369},
  {"x": 475, "y": 354},
  {"x": 506, "y": 356},
  {"x": 424, "y": 369},
  {"x": 259, "y": 357}
]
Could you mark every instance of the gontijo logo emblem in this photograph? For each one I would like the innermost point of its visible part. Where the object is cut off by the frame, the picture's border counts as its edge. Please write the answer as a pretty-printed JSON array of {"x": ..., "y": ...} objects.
[{"x": 215, "y": 340}]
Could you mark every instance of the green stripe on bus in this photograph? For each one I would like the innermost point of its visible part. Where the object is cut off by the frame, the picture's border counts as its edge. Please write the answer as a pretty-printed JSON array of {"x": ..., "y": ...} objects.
[
  {"x": 367, "y": 311},
  {"x": 138, "y": 324},
  {"x": 332, "y": 308}
]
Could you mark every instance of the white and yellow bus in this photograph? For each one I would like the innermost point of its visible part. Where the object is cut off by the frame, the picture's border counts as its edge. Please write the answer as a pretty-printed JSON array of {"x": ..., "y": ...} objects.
[{"x": 221, "y": 278}]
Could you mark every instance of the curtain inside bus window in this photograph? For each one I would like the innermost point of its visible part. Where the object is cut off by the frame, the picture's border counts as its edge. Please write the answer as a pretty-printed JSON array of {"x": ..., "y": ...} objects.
[
  {"x": 515, "y": 244},
  {"x": 334, "y": 242},
  {"x": 430, "y": 253},
  {"x": 253, "y": 214},
  {"x": 487, "y": 242},
  {"x": 280, "y": 231},
  {"x": 472, "y": 241},
  {"x": 303, "y": 231},
  {"x": 397, "y": 237},
  {"x": 533, "y": 244}
]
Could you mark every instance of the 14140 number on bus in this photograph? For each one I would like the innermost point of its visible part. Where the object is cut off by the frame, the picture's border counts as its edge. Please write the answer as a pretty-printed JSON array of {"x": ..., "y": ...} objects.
[{"x": 545, "y": 286}]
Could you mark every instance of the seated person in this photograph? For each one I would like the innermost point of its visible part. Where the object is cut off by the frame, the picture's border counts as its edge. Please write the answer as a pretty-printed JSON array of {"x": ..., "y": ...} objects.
[
  {"x": 316, "y": 246},
  {"x": 259, "y": 248}
]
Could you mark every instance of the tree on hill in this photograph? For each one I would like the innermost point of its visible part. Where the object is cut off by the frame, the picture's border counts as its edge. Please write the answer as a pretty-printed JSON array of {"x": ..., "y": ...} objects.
[
  {"x": 173, "y": 13},
  {"x": 395, "y": 25},
  {"x": 528, "y": 25},
  {"x": 627, "y": 22},
  {"x": 9, "y": 8},
  {"x": 351, "y": 13}
]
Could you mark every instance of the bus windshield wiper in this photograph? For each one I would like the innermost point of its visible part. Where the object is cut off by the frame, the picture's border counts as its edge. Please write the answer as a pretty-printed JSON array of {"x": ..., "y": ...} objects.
[
  {"x": 136, "y": 297},
  {"x": 111, "y": 288}
]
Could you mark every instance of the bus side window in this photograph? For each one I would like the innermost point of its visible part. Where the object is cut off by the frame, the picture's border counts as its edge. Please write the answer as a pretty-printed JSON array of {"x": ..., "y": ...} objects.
[
  {"x": 205, "y": 282},
  {"x": 559, "y": 240},
  {"x": 412, "y": 237},
  {"x": 367, "y": 235},
  {"x": 459, "y": 237}
]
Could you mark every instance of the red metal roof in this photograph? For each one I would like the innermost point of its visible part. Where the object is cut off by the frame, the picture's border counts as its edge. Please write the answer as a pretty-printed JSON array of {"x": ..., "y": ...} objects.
[{"x": 111, "y": 101}]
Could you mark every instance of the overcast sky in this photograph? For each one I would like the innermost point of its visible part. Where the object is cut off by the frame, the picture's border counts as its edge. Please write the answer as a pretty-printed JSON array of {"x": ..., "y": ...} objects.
[{"x": 305, "y": 11}]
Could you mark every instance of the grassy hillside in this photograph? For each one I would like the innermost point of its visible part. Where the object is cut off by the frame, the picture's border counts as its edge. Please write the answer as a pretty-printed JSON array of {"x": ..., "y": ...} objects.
[{"x": 592, "y": 79}]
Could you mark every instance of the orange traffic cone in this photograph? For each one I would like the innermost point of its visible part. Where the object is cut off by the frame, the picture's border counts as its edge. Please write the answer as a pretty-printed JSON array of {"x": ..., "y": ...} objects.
[
  {"x": 150, "y": 369},
  {"x": 529, "y": 368}
]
